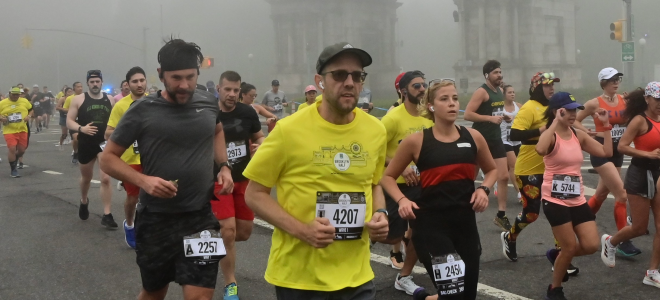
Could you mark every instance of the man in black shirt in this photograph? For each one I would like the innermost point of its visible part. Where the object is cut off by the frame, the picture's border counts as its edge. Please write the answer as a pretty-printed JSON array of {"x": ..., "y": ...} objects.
[
  {"x": 243, "y": 136},
  {"x": 47, "y": 106},
  {"x": 36, "y": 98}
]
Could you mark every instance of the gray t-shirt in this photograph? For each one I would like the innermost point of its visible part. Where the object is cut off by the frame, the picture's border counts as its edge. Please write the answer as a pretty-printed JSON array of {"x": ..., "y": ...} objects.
[
  {"x": 275, "y": 101},
  {"x": 176, "y": 143}
]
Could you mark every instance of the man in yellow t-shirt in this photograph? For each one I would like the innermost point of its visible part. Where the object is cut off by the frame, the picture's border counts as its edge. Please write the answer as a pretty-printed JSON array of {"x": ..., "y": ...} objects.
[
  {"x": 15, "y": 113},
  {"x": 400, "y": 122},
  {"x": 77, "y": 90},
  {"x": 137, "y": 83},
  {"x": 326, "y": 161},
  {"x": 310, "y": 97}
]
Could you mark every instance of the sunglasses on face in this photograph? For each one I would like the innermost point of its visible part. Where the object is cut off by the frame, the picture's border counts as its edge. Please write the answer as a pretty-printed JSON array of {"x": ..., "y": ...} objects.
[
  {"x": 341, "y": 75},
  {"x": 418, "y": 86}
]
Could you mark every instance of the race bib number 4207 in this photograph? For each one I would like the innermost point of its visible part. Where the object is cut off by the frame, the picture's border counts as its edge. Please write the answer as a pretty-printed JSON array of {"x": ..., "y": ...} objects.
[{"x": 346, "y": 212}]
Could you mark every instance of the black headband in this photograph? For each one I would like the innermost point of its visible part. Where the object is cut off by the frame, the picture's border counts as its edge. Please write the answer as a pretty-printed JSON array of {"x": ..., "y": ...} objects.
[
  {"x": 181, "y": 63},
  {"x": 491, "y": 69}
]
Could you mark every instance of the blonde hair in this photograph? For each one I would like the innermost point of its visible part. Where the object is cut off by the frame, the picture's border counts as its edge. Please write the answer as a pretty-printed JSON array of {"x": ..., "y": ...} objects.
[{"x": 429, "y": 96}]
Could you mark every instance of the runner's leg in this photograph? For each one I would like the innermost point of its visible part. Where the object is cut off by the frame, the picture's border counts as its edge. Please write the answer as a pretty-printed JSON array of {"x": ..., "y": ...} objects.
[
  {"x": 106, "y": 191},
  {"x": 228, "y": 263},
  {"x": 157, "y": 295},
  {"x": 86, "y": 172},
  {"x": 191, "y": 292}
]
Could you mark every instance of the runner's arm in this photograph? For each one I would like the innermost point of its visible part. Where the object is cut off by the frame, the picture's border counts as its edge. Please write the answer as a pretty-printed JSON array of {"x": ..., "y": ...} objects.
[
  {"x": 220, "y": 155},
  {"x": 595, "y": 148},
  {"x": 73, "y": 114},
  {"x": 636, "y": 126},
  {"x": 478, "y": 97},
  {"x": 520, "y": 131},
  {"x": 484, "y": 159},
  {"x": 265, "y": 113},
  {"x": 589, "y": 109},
  {"x": 60, "y": 104},
  {"x": 401, "y": 160},
  {"x": 547, "y": 140},
  {"x": 108, "y": 132}
]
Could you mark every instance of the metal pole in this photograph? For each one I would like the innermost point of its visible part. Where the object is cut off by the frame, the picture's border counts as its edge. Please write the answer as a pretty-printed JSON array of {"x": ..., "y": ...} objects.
[
  {"x": 144, "y": 47},
  {"x": 630, "y": 66},
  {"x": 58, "y": 66},
  {"x": 161, "y": 22}
]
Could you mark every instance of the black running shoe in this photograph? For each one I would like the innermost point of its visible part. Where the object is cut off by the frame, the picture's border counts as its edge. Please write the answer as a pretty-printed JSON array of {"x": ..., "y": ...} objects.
[
  {"x": 109, "y": 222},
  {"x": 83, "y": 212},
  {"x": 628, "y": 249},
  {"x": 508, "y": 247},
  {"x": 74, "y": 158},
  {"x": 20, "y": 165},
  {"x": 573, "y": 270},
  {"x": 555, "y": 294}
]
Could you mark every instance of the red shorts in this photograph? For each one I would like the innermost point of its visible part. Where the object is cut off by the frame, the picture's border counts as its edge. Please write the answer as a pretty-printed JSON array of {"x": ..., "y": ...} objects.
[
  {"x": 14, "y": 139},
  {"x": 232, "y": 205},
  {"x": 271, "y": 126},
  {"x": 131, "y": 189}
]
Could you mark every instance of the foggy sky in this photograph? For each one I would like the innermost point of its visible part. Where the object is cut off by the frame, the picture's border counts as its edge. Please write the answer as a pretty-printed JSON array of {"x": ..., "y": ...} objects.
[{"x": 229, "y": 30}]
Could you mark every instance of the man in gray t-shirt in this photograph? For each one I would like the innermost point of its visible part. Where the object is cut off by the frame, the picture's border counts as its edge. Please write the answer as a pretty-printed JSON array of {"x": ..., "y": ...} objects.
[{"x": 275, "y": 100}]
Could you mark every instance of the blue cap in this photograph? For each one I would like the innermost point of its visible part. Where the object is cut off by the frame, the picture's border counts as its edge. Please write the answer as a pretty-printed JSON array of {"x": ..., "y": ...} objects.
[{"x": 564, "y": 100}]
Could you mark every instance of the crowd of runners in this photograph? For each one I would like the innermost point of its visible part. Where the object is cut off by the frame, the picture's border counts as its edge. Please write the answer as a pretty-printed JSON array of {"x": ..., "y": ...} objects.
[{"x": 344, "y": 179}]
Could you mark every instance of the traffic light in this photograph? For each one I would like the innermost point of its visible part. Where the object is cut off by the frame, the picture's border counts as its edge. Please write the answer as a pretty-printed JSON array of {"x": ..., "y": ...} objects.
[
  {"x": 26, "y": 42},
  {"x": 617, "y": 31},
  {"x": 207, "y": 63}
]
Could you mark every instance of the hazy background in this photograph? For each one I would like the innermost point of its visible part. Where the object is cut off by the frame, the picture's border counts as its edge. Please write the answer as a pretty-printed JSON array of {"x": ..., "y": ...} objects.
[{"x": 229, "y": 30}]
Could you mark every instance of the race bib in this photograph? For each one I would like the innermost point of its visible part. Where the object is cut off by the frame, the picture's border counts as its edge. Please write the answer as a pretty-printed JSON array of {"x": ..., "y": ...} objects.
[
  {"x": 508, "y": 132},
  {"x": 498, "y": 112},
  {"x": 449, "y": 274},
  {"x": 346, "y": 212},
  {"x": 15, "y": 118},
  {"x": 236, "y": 150},
  {"x": 617, "y": 131},
  {"x": 135, "y": 148},
  {"x": 278, "y": 107},
  {"x": 37, "y": 103},
  {"x": 102, "y": 145},
  {"x": 206, "y": 245},
  {"x": 565, "y": 187}
]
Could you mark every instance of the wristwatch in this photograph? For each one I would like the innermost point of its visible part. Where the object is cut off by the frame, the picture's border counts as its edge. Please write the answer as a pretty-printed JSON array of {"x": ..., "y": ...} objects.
[
  {"x": 79, "y": 127},
  {"x": 225, "y": 164},
  {"x": 382, "y": 210},
  {"x": 485, "y": 188}
]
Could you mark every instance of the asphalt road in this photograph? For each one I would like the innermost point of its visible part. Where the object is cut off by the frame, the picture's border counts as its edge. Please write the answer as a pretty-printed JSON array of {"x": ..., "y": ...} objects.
[{"x": 47, "y": 252}]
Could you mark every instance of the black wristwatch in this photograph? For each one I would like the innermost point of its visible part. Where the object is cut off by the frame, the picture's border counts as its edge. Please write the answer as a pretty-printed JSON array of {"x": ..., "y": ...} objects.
[
  {"x": 382, "y": 210},
  {"x": 485, "y": 188},
  {"x": 79, "y": 127},
  {"x": 224, "y": 164}
]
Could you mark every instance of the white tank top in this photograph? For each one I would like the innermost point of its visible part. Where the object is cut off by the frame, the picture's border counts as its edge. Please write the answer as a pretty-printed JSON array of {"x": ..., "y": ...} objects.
[{"x": 505, "y": 127}]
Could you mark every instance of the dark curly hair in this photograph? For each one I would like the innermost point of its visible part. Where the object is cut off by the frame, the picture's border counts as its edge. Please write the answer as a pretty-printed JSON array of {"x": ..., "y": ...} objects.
[{"x": 635, "y": 104}]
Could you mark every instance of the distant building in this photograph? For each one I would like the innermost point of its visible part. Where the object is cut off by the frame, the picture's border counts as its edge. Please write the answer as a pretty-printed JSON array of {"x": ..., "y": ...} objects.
[
  {"x": 303, "y": 28},
  {"x": 525, "y": 36}
]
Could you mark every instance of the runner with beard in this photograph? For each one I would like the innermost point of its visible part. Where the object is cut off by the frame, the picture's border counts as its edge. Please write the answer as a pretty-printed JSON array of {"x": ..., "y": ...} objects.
[
  {"x": 137, "y": 84},
  {"x": 486, "y": 110},
  {"x": 401, "y": 122},
  {"x": 609, "y": 168},
  {"x": 176, "y": 184},
  {"x": 88, "y": 115},
  {"x": 15, "y": 113}
]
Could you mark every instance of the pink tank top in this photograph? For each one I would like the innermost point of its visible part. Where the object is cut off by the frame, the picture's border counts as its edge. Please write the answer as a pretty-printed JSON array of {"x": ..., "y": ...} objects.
[{"x": 562, "y": 179}]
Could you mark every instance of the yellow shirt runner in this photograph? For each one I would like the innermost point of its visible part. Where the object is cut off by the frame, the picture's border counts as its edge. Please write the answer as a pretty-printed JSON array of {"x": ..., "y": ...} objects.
[
  {"x": 16, "y": 112},
  {"x": 530, "y": 116},
  {"x": 132, "y": 155}
]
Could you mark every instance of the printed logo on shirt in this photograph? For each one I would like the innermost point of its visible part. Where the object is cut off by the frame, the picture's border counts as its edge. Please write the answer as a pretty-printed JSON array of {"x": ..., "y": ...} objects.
[
  {"x": 463, "y": 145},
  {"x": 342, "y": 157}
]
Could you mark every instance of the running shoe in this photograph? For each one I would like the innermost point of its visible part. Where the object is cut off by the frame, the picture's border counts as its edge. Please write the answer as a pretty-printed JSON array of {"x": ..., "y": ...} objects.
[
  {"x": 405, "y": 284},
  {"x": 520, "y": 200},
  {"x": 109, "y": 222},
  {"x": 120, "y": 186},
  {"x": 551, "y": 255},
  {"x": 129, "y": 234},
  {"x": 628, "y": 249},
  {"x": 83, "y": 212},
  {"x": 652, "y": 278},
  {"x": 495, "y": 189},
  {"x": 231, "y": 292},
  {"x": 502, "y": 223},
  {"x": 607, "y": 253},
  {"x": 74, "y": 157},
  {"x": 396, "y": 260},
  {"x": 20, "y": 165},
  {"x": 14, "y": 174},
  {"x": 573, "y": 270},
  {"x": 508, "y": 247},
  {"x": 555, "y": 294},
  {"x": 420, "y": 294}
]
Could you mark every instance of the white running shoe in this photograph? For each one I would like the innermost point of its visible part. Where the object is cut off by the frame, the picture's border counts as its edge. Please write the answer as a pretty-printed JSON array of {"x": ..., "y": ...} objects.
[
  {"x": 607, "y": 253},
  {"x": 119, "y": 186},
  {"x": 405, "y": 284},
  {"x": 652, "y": 278}
]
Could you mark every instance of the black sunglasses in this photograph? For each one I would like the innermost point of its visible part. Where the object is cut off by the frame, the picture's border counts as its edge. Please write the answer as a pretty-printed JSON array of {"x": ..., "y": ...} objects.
[
  {"x": 341, "y": 75},
  {"x": 418, "y": 86}
]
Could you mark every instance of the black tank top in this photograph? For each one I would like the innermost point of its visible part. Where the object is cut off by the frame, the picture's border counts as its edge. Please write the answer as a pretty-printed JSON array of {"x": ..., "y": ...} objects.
[
  {"x": 96, "y": 111},
  {"x": 447, "y": 172}
]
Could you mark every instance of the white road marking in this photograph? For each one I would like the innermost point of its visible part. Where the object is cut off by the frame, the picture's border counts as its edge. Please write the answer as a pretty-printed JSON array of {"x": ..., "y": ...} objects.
[
  {"x": 481, "y": 288},
  {"x": 52, "y": 172},
  {"x": 95, "y": 181},
  {"x": 587, "y": 168},
  {"x": 48, "y": 141}
]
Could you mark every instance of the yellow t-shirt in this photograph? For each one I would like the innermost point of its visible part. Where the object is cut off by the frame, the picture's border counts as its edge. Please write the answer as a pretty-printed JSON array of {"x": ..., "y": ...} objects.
[
  {"x": 16, "y": 112},
  {"x": 67, "y": 101},
  {"x": 132, "y": 155},
  {"x": 529, "y": 117},
  {"x": 301, "y": 106},
  {"x": 59, "y": 95},
  {"x": 308, "y": 158},
  {"x": 399, "y": 124}
]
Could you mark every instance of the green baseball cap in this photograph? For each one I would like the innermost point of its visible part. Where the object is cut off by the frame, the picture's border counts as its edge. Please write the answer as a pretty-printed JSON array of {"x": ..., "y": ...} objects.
[
  {"x": 333, "y": 51},
  {"x": 15, "y": 90}
]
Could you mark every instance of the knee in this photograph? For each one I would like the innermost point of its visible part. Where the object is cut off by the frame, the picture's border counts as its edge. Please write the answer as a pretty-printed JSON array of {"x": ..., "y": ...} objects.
[
  {"x": 531, "y": 217},
  {"x": 105, "y": 180},
  {"x": 228, "y": 234},
  {"x": 243, "y": 234},
  {"x": 639, "y": 229},
  {"x": 569, "y": 249},
  {"x": 131, "y": 200},
  {"x": 591, "y": 247}
]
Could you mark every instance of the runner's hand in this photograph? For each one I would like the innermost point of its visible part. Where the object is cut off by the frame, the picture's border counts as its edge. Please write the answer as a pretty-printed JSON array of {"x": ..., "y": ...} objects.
[
  {"x": 225, "y": 180},
  {"x": 479, "y": 200},
  {"x": 507, "y": 118},
  {"x": 655, "y": 154},
  {"x": 253, "y": 148},
  {"x": 602, "y": 115},
  {"x": 89, "y": 129},
  {"x": 496, "y": 120},
  {"x": 406, "y": 209},
  {"x": 378, "y": 227},
  {"x": 271, "y": 120},
  {"x": 158, "y": 187},
  {"x": 592, "y": 133},
  {"x": 410, "y": 176},
  {"x": 319, "y": 233}
]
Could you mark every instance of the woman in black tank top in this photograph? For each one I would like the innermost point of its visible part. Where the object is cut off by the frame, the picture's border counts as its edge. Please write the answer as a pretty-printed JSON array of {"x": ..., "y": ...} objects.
[{"x": 443, "y": 219}]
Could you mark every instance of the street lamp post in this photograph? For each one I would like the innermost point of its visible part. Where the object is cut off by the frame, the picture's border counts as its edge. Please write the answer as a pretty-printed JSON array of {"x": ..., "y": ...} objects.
[
  {"x": 251, "y": 58},
  {"x": 642, "y": 44}
]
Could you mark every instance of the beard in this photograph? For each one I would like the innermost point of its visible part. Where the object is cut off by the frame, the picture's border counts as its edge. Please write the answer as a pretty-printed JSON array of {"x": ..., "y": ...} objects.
[
  {"x": 95, "y": 90},
  {"x": 338, "y": 107},
  {"x": 416, "y": 99},
  {"x": 174, "y": 93}
]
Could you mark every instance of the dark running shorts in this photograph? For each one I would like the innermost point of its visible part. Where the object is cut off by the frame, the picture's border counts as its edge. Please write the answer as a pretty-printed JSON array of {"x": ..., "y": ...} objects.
[
  {"x": 560, "y": 214},
  {"x": 87, "y": 151},
  {"x": 509, "y": 148},
  {"x": 616, "y": 158},
  {"x": 641, "y": 182},
  {"x": 160, "y": 255},
  {"x": 366, "y": 291},
  {"x": 398, "y": 225},
  {"x": 496, "y": 148}
]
